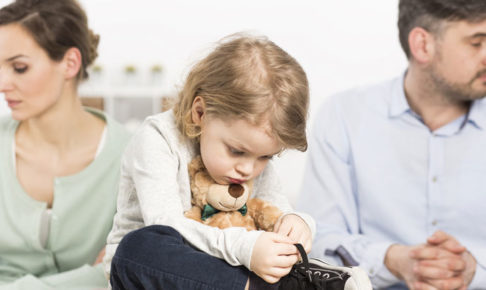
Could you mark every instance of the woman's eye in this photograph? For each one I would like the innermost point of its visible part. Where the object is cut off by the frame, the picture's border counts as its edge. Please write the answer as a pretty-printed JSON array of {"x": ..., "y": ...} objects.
[{"x": 20, "y": 69}]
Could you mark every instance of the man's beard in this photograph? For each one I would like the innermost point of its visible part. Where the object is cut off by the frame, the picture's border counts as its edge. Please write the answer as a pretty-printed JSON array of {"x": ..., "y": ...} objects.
[{"x": 456, "y": 92}]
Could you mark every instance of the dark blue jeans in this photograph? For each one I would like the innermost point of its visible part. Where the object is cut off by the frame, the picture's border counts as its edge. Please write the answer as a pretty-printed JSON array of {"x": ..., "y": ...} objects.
[{"x": 156, "y": 257}]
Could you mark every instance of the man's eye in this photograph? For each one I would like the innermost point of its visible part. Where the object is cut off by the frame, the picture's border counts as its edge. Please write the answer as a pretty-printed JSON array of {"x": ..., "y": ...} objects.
[{"x": 476, "y": 44}]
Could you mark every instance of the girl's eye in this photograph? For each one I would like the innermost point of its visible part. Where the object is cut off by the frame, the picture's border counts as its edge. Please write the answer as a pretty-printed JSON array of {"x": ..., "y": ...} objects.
[
  {"x": 20, "y": 69},
  {"x": 235, "y": 152},
  {"x": 268, "y": 157}
]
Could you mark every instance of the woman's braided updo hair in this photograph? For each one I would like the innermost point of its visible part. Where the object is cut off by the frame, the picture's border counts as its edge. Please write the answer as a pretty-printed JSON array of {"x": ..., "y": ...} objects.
[{"x": 56, "y": 25}]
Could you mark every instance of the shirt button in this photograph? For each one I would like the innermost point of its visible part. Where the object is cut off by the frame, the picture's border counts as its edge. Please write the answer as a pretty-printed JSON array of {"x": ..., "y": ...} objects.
[
  {"x": 434, "y": 179},
  {"x": 434, "y": 222}
]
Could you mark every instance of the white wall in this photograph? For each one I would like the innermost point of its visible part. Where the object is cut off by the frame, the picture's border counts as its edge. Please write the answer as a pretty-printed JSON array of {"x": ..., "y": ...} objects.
[{"x": 340, "y": 44}]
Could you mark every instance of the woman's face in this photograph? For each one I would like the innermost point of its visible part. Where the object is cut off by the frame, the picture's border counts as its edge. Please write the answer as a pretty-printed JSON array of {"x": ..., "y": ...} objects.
[{"x": 31, "y": 82}]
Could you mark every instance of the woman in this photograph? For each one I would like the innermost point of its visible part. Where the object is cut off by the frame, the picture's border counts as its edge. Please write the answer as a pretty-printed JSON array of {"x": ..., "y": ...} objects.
[{"x": 60, "y": 161}]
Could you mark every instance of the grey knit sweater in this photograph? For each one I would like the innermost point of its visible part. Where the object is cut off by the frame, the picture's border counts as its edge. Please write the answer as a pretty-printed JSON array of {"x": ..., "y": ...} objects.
[{"x": 154, "y": 189}]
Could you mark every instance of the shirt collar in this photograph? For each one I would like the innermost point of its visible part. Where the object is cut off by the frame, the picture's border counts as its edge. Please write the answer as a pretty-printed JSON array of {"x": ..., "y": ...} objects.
[
  {"x": 398, "y": 102},
  {"x": 477, "y": 114}
]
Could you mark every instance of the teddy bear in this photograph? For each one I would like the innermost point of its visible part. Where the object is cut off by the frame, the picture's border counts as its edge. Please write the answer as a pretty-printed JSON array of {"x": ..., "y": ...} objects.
[{"x": 226, "y": 206}]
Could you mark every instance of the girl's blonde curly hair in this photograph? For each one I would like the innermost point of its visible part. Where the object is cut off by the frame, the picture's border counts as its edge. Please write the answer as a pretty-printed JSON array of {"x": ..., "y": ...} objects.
[{"x": 251, "y": 78}]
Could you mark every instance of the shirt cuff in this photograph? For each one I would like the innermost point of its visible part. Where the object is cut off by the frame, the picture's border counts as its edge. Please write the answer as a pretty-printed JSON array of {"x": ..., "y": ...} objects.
[
  {"x": 373, "y": 262},
  {"x": 479, "y": 279},
  {"x": 245, "y": 247}
]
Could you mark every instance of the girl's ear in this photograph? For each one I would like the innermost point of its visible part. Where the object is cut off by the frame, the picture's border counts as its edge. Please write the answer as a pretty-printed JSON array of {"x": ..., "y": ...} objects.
[
  {"x": 197, "y": 110},
  {"x": 72, "y": 60},
  {"x": 422, "y": 45}
]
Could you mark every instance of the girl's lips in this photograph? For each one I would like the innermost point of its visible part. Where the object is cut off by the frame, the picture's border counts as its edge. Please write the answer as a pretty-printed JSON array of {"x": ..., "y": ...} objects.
[{"x": 237, "y": 181}]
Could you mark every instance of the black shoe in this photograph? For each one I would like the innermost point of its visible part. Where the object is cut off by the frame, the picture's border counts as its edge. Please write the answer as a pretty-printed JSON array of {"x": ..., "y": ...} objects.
[{"x": 316, "y": 274}]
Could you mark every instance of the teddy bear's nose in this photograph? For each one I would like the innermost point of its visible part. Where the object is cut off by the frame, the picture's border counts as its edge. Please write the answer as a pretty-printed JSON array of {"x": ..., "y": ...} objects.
[{"x": 236, "y": 190}]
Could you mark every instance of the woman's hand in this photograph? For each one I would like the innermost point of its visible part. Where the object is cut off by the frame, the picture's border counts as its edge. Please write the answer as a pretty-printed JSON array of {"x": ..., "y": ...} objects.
[{"x": 99, "y": 259}]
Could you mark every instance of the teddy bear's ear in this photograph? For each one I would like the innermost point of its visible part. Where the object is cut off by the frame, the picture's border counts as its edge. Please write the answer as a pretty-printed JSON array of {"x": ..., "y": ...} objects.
[{"x": 195, "y": 165}]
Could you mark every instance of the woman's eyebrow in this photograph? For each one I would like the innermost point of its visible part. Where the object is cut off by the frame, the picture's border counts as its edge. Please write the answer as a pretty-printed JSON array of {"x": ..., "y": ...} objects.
[{"x": 15, "y": 57}]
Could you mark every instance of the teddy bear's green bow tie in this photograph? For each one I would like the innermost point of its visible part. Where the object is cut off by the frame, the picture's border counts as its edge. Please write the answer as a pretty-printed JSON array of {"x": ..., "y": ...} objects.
[{"x": 209, "y": 211}]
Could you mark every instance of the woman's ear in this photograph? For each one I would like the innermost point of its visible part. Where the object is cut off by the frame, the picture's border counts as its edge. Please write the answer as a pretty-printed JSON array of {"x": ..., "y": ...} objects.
[
  {"x": 422, "y": 45},
  {"x": 72, "y": 60},
  {"x": 197, "y": 110}
]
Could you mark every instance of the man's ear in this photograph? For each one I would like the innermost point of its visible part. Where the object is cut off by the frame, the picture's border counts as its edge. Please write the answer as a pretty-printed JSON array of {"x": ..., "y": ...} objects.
[
  {"x": 72, "y": 61},
  {"x": 422, "y": 45},
  {"x": 197, "y": 110}
]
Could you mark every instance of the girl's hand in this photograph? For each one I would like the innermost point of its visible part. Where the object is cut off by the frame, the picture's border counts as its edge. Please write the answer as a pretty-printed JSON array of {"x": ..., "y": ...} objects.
[
  {"x": 296, "y": 229},
  {"x": 273, "y": 256}
]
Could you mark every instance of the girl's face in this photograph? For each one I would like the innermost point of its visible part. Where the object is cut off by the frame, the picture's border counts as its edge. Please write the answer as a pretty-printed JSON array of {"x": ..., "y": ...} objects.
[
  {"x": 233, "y": 151},
  {"x": 29, "y": 79}
]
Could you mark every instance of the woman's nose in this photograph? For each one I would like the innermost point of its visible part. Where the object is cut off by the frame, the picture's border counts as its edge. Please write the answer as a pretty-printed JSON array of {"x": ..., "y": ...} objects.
[{"x": 4, "y": 83}]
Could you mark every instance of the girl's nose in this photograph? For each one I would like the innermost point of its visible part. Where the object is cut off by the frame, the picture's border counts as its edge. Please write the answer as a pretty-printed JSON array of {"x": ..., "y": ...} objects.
[{"x": 245, "y": 168}]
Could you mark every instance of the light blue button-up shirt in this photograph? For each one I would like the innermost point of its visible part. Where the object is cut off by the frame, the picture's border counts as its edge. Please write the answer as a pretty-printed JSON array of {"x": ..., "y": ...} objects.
[{"x": 376, "y": 175}]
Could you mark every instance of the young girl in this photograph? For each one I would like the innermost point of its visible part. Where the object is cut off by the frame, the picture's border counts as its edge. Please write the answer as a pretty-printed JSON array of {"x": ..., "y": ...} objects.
[{"x": 240, "y": 106}]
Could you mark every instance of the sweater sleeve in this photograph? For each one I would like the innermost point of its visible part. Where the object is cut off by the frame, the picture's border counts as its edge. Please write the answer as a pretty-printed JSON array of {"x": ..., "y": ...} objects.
[{"x": 268, "y": 187}]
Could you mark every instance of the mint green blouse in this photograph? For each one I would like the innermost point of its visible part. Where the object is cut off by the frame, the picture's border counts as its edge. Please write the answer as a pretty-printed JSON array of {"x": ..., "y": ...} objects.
[{"x": 81, "y": 217}]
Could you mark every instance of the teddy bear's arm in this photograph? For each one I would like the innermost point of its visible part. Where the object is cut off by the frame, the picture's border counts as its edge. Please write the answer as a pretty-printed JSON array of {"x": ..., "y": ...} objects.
[
  {"x": 264, "y": 214},
  {"x": 194, "y": 213}
]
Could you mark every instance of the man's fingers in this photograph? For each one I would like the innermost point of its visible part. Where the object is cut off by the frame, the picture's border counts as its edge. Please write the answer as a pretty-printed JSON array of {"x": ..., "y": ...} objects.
[
  {"x": 418, "y": 285},
  {"x": 446, "y": 241},
  {"x": 453, "y": 246},
  {"x": 438, "y": 237},
  {"x": 455, "y": 264},
  {"x": 449, "y": 283},
  {"x": 430, "y": 253},
  {"x": 425, "y": 272}
]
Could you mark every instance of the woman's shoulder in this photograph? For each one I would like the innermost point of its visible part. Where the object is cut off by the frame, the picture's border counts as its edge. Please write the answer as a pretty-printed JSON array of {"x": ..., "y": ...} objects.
[{"x": 7, "y": 123}]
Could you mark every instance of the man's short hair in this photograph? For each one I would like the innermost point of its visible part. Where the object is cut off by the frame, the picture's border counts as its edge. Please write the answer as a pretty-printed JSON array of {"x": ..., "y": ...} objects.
[{"x": 430, "y": 14}]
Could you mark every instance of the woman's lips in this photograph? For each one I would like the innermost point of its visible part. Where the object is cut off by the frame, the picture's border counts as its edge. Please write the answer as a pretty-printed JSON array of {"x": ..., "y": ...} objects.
[{"x": 12, "y": 103}]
